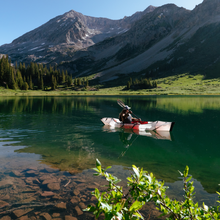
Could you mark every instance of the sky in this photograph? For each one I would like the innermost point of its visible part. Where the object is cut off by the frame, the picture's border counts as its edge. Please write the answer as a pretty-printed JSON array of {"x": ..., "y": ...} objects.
[{"x": 18, "y": 17}]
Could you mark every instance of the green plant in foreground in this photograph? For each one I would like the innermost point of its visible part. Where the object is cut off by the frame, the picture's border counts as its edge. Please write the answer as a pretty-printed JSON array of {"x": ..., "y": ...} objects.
[{"x": 143, "y": 187}]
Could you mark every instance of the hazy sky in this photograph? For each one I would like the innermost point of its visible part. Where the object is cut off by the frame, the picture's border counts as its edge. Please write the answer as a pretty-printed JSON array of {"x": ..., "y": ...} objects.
[{"x": 20, "y": 16}]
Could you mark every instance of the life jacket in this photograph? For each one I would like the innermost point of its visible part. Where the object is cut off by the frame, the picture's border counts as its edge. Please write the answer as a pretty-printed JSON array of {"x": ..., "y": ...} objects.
[{"x": 123, "y": 116}]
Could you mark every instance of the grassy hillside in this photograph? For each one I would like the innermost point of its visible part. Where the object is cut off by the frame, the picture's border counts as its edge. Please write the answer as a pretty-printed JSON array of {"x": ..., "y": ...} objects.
[{"x": 183, "y": 84}]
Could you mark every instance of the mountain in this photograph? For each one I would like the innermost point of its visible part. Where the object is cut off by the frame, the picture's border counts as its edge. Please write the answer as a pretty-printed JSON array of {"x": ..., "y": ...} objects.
[
  {"x": 66, "y": 34},
  {"x": 157, "y": 42},
  {"x": 133, "y": 50},
  {"x": 169, "y": 40}
]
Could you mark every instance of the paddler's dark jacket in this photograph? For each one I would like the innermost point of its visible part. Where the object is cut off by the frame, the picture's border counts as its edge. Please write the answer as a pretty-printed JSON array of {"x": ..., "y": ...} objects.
[{"x": 125, "y": 116}]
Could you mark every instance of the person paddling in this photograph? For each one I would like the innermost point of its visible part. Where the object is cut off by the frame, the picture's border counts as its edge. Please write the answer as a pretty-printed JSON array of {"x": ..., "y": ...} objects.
[{"x": 125, "y": 115}]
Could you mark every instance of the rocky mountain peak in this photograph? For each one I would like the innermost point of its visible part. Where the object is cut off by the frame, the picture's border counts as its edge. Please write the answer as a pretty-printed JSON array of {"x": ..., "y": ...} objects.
[{"x": 71, "y": 14}]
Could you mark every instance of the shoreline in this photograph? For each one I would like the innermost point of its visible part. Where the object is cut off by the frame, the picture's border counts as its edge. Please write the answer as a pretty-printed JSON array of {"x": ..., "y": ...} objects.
[{"x": 98, "y": 93}]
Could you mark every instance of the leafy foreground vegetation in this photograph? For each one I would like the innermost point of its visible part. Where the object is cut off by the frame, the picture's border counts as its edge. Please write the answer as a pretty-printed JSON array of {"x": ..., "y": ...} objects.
[{"x": 143, "y": 187}]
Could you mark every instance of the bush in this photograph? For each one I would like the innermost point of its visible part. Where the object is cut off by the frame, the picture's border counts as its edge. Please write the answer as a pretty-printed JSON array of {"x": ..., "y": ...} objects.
[
  {"x": 143, "y": 187},
  {"x": 141, "y": 84}
]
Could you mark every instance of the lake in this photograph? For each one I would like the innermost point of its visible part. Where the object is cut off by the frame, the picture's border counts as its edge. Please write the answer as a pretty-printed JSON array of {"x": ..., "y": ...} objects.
[{"x": 48, "y": 146}]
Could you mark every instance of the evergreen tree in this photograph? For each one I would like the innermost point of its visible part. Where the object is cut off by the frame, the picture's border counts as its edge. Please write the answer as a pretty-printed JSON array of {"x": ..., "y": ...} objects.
[
  {"x": 19, "y": 79},
  {"x": 39, "y": 84},
  {"x": 36, "y": 69},
  {"x": 59, "y": 76},
  {"x": 6, "y": 70},
  {"x": 17, "y": 76},
  {"x": 128, "y": 85},
  {"x": 79, "y": 83},
  {"x": 20, "y": 67},
  {"x": 87, "y": 83},
  {"x": 11, "y": 81},
  {"x": 66, "y": 74},
  {"x": 45, "y": 70},
  {"x": 56, "y": 75},
  {"x": 42, "y": 83},
  {"x": 1, "y": 73},
  {"x": 23, "y": 69},
  {"x": 32, "y": 69},
  {"x": 136, "y": 81},
  {"x": 131, "y": 82},
  {"x": 53, "y": 83},
  {"x": 154, "y": 84},
  {"x": 69, "y": 80},
  {"x": 25, "y": 86},
  {"x": 51, "y": 70},
  {"x": 30, "y": 83},
  {"x": 63, "y": 76}
]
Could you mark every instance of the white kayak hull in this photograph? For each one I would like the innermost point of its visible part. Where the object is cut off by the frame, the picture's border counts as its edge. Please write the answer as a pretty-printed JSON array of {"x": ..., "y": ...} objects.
[
  {"x": 161, "y": 135},
  {"x": 150, "y": 126}
]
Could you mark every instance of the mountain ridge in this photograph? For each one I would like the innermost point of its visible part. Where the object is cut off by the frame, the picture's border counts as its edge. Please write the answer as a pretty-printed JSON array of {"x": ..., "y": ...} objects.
[
  {"x": 65, "y": 34},
  {"x": 157, "y": 38}
]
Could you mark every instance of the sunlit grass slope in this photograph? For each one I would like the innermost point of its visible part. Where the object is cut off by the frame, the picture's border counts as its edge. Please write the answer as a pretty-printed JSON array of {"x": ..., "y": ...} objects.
[{"x": 183, "y": 84}]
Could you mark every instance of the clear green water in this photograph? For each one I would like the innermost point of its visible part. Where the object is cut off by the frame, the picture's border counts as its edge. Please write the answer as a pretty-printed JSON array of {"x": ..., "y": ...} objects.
[{"x": 66, "y": 133}]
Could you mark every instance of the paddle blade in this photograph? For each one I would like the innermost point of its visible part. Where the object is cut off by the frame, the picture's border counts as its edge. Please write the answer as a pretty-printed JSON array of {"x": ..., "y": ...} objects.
[{"x": 120, "y": 103}]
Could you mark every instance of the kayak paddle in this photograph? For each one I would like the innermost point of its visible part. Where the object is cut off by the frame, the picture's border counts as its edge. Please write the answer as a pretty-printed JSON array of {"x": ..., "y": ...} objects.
[{"x": 123, "y": 106}]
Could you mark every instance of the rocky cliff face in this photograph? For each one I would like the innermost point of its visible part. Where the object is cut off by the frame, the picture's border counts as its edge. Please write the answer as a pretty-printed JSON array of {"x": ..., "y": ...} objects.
[{"x": 87, "y": 45}]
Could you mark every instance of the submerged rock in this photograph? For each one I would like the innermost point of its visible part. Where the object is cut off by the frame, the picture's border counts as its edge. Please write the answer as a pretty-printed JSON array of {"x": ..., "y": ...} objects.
[
  {"x": 46, "y": 216},
  {"x": 75, "y": 200},
  {"x": 55, "y": 215},
  {"x": 76, "y": 192},
  {"x": 7, "y": 182},
  {"x": 20, "y": 212},
  {"x": 24, "y": 218},
  {"x": 91, "y": 187},
  {"x": 82, "y": 205},
  {"x": 3, "y": 203},
  {"x": 61, "y": 205},
  {"x": 5, "y": 197},
  {"x": 30, "y": 180},
  {"x": 47, "y": 194},
  {"x": 6, "y": 218},
  {"x": 78, "y": 210},
  {"x": 16, "y": 173},
  {"x": 32, "y": 172},
  {"x": 53, "y": 186},
  {"x": 69, "y": 217},
  {"x": 50, "y": 180}
]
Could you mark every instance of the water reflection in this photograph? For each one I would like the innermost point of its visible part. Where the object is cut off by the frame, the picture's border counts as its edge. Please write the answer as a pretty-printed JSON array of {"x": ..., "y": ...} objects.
[
  {"x": 66, "y": 133},
  {"x": 126, "y": 134},
  {"x": 65, "y": 105},
  {"x": 41, "y": 105},
  {"x": 175, "y": 104}
]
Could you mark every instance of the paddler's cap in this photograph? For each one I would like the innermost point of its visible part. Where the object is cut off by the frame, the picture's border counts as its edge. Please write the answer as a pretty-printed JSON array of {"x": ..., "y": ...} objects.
[{"x": 127, "y": 107}]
